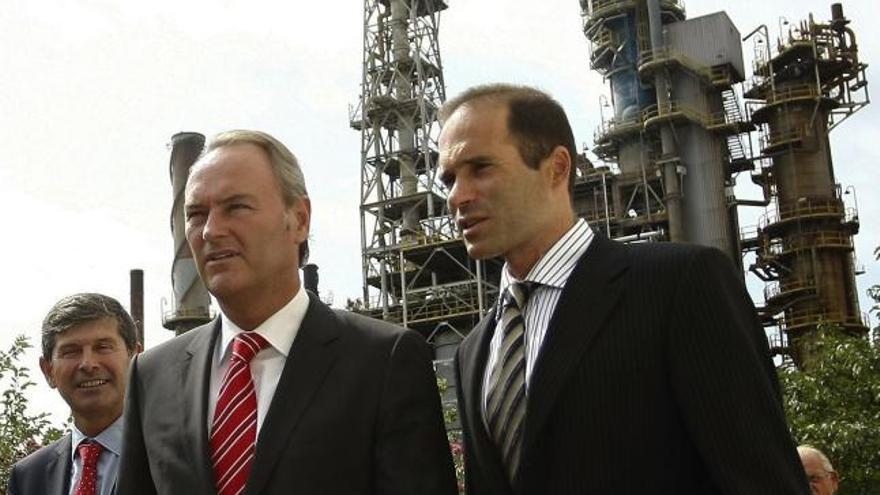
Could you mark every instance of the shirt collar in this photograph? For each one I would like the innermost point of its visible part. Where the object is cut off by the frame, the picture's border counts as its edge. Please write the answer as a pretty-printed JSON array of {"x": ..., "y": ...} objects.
[
  {"x": 555, "y": 266},
  {"x": 110, "y": 438},
  {"x": 279, "y": 330}
]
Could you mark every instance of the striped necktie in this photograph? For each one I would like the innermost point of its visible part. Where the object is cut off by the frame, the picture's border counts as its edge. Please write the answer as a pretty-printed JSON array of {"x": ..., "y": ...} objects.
[
  {"x": 89, "y": 453},
  {"x": 234, "y": 429},
  {"x": 506, "y": 401}
]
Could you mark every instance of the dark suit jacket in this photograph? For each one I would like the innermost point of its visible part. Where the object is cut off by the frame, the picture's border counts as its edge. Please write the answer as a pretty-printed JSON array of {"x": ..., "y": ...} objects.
[
  {"x": 356, "y": 411},
  {"x": 654, "y": 377},
  {"x": 45, "y": 472}
]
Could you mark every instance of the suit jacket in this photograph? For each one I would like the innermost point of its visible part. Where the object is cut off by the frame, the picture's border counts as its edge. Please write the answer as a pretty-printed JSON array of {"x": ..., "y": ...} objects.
[
  {"x": 654, "y": 377},
  {"x": 44, "y": 472},
  {"x": 356, "y": 411}
]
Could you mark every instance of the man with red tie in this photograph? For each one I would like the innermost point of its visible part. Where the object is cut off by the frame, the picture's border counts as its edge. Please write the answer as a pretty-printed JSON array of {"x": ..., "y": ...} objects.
[
  {"x": 279, "y": 394},
  {"x": 88, "y": 342}
]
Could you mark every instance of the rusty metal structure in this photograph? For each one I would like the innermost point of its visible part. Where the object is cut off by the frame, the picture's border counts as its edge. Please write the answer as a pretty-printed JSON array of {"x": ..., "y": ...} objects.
[
  {"x": 136, "y": 301},
  {"x": 416, "y": 271},
  {"x": 811, "y": 82},
  {"x": 191, "y": 306}
]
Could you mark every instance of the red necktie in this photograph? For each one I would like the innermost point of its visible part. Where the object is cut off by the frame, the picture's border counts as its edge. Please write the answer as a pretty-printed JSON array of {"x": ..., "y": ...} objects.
[
  {"x": 234, "y": 429},
  {"x": 89, "y": 452}
]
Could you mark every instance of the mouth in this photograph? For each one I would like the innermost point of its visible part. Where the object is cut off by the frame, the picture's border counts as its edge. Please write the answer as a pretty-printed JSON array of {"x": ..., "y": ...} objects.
[
  {"x": 467, "y": 223},
  {"x": 91, "y": 383},
  {"x": 217, "y": 256}
]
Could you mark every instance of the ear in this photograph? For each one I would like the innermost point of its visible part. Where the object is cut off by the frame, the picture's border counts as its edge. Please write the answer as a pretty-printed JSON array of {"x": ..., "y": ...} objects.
[
  {"x": 46, "y": 368},
  {"x": 301, "y": 213},
  {"x": 560, "y": 167}
]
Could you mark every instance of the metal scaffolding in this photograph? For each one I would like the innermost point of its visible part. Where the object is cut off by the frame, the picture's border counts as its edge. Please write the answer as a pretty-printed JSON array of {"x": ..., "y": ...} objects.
[{"x": 416, "y": 271}]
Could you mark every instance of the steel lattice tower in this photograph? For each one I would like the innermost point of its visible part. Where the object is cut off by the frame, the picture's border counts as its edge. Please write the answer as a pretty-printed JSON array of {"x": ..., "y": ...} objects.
[{"x": 415, "y": 268}]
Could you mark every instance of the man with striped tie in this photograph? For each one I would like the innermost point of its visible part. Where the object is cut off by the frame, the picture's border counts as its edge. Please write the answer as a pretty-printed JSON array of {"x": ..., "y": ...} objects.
[
  {"x": 279, "y": 394},
  {"x": 88, "y": 340},
  {"x": 604, "y": 368}
]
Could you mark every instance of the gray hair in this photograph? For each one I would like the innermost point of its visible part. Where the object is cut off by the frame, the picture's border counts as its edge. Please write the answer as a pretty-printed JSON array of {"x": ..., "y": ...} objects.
[
  {"x": 285, "y": 167},
  {"x": 809, "y": 449},
  {"x": 84, "y": 308}
]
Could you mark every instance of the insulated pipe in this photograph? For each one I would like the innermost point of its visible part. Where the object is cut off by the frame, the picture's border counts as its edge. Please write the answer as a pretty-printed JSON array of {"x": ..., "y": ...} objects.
[{"x": 667, "y": 139}]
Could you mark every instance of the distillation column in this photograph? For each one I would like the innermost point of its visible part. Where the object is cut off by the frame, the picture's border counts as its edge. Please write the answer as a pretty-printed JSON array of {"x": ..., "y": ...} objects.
[
  {"x": 191, "y": 299},
  {"x": 805, "y": 248},
  {"x": 674, "y": 115}
]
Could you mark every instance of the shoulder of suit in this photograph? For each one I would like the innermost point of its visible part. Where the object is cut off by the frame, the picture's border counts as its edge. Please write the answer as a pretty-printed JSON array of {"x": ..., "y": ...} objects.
[
  {"x": 178, "y": 343},
  {"x": 39, "y": 458},
  {"x": 367, "y": 324}
]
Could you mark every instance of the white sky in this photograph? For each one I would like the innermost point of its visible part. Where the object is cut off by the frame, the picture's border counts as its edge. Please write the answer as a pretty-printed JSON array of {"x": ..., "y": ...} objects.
[{"x": 92, "y": 90}]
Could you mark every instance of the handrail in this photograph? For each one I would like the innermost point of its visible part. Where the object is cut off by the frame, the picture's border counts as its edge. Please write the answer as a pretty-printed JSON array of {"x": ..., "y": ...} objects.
[{"x": 710, "y": 73}]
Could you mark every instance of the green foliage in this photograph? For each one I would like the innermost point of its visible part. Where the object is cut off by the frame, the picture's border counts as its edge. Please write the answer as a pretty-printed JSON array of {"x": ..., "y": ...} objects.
[
  {"x": 453, "y": 434},
  {"x": 874, "y": 293},
  {"x": 20, "y": 433},
  {"x": 833, "y": 402}
]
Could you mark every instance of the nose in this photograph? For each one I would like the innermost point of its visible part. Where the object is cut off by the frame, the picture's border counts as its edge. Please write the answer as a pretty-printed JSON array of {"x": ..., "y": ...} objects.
[
  {"x": 88, "y": 360},
  {"x": 213, "y": 227},
  {"x": 459, "y": 195}
]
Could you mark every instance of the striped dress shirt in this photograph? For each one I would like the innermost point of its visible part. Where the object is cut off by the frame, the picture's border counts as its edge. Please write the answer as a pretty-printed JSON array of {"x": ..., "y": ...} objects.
[{"x": 548, "y": 278}]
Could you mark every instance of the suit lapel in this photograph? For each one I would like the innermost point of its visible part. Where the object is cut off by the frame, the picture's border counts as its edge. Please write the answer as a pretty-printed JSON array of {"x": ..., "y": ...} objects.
[
  {"x": 196, "y": 377},
  {"x": 590, "y": 294},
  {"x": 310, "y": 358},
  {"x": 59, "y": 467},
  {"x": 473, "y": 354}
]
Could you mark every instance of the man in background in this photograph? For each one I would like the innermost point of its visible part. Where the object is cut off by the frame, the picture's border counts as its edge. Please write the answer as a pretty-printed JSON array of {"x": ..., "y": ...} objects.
[
  {"x": 820, "y": 473},
  {"x": 88, "y": 341},
  {"x": 279, "y": 394},
  {"x": 605, "y": 368}
]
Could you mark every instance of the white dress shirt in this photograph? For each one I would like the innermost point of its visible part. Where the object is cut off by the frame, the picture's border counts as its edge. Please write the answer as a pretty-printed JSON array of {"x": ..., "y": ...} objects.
[
  {"x": 279, "y": 330},
  {"x": 548, "y": 277},
  {"x": 108, "y": 463}
]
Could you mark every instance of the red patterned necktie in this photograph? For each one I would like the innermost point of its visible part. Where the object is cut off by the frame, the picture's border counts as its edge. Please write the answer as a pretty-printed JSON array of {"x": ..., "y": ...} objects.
[
  {"x": 234, "y": 429},
  {"x": 89, "y": 452}
]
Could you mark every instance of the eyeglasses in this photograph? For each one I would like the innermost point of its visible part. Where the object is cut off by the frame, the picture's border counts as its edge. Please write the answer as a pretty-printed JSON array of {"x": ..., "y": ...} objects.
[{"x": 816, "y": 478}]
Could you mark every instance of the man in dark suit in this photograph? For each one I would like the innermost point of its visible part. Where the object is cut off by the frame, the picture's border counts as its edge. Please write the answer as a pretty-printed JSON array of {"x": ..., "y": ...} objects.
[
  {"x": 88, "y": 341},
  {"x": 605, "y": 368},
  {"x": 280, "y": 394}
]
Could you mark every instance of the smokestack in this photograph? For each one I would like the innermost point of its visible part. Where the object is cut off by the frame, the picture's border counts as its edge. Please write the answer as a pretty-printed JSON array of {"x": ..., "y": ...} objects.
[
  {"x": 310, "y": 277},
  {"x": 191, "y": 299},
  {"x": 838, "y": 21},
  {"x": 136, "y": 281}
]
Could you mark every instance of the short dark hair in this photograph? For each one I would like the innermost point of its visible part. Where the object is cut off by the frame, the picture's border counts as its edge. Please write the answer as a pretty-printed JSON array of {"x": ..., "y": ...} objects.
[
  {"x": 535, "y": 120},
  {"x": 83, "y": 308}
]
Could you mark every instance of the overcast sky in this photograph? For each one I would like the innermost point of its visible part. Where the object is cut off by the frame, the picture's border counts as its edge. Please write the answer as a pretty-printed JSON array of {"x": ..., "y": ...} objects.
[{"x": 92, "y": 90}]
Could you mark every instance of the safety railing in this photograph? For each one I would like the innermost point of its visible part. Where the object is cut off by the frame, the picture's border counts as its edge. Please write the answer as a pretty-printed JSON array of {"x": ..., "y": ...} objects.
[{"x": 802, "y": 209}]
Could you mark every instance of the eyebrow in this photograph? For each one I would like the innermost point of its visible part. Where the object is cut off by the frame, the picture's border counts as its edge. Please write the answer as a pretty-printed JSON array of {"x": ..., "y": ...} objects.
[{"x": 230, "y": 199}]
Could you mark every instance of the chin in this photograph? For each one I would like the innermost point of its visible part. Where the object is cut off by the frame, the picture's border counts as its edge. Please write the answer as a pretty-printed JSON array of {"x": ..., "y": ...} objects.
[{"x": 479, "y": 251}]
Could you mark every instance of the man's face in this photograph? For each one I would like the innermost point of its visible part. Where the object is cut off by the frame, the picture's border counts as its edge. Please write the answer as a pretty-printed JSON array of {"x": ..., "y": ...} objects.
[
  {"x": 822, "y": 482},
  {"x": 243, "y": 238},
  {"x": 496, "y": 198},
  {"x": 89, "y": 367}
]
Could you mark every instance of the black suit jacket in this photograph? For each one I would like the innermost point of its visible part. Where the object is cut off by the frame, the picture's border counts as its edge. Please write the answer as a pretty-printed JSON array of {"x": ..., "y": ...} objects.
[
  {"x": 44, "y": 472},
  {"x": 654, "y": 377},
  {"x": 356, "y": 411}
]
